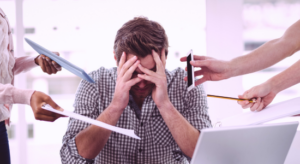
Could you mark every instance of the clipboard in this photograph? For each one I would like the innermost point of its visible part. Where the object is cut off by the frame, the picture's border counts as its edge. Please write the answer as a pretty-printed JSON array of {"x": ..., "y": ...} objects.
[{"x": 61, "y": 61}]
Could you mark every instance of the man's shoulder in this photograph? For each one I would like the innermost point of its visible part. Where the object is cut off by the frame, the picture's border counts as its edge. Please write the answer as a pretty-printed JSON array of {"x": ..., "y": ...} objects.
[
  {"x": 176, "y": 73},
  {"x": 104, "y": 74}
]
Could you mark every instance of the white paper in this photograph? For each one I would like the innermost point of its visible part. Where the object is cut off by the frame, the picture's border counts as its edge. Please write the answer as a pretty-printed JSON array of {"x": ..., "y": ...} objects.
[
  {"x": 272, "y": 112},
  {"x": 127, "y": 132}
]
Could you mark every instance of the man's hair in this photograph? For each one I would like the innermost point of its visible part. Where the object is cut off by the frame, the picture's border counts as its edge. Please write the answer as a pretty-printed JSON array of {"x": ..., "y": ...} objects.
[{"x": 139, "y": 37}]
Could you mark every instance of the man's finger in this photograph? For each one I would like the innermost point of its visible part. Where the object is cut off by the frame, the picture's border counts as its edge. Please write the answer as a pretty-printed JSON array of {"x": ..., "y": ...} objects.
[
  {"x": 145, "y": 70},
  {"x": 121, "y": 62},
  {"x": 148, "y": 78},
  {"x": 159, "y": 64},
  {"x": 129, "y": 72},
  {"x": 127, "y": 65},
  {"x": 133, "y": 81},
  {"x": 163, "y": 57}
]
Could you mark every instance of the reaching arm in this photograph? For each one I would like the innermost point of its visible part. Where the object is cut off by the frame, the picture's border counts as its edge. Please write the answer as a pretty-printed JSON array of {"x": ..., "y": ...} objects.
[
  {"x": 263, "y": 57},
  {"x": 266, "y": 92},
  {"x": 269, "y": 53}
]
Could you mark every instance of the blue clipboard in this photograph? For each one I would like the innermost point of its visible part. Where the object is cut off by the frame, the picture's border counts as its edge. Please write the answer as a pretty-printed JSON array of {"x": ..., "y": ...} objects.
[{"x": 61, "y": 61}]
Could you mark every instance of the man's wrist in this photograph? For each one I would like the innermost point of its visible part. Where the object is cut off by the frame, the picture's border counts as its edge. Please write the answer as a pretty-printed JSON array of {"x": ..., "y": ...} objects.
[
  {"x": 167, "y": 105},
  {"x": 115, "y": 108}
]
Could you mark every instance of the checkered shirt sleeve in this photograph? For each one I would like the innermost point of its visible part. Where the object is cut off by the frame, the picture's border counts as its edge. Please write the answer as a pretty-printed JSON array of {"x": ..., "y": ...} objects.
[
  {"x": 197, "y": 113},
  {"x": 85, "y": 104}
]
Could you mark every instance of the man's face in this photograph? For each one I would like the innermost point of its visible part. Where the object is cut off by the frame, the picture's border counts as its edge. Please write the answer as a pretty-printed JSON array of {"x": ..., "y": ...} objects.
[{"x": 143, "y": 88}]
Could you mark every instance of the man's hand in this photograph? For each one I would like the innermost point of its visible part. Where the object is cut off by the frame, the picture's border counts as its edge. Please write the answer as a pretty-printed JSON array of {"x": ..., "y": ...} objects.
[
  {"x": 38, "y": 99},
  {"x": 124, "y": 81},
  {"x": 263, "y": 94},
  {"x": 47, "y": 65},
  {"x": 211, "y": 69},
  {"x": 160, "y": 91}
]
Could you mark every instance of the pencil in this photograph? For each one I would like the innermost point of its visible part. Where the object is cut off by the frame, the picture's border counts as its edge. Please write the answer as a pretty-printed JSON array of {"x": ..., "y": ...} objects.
[{"x": 231, "y": 98}]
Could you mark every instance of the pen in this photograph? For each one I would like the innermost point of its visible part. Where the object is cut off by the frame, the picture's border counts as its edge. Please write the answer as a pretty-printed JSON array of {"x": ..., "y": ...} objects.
[{"x": 231, "y": 98}]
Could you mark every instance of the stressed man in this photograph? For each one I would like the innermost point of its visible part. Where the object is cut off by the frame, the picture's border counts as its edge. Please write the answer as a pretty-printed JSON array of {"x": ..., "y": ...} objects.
[{"x": 139, "y": 94}]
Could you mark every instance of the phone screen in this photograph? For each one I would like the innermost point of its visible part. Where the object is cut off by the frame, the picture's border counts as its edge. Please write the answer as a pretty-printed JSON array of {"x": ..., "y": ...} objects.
[{"x": 190, "y": 70}]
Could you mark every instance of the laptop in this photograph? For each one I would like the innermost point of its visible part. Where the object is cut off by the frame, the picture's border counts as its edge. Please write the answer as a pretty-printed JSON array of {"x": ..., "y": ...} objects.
[{"x": 256, "y": 144}]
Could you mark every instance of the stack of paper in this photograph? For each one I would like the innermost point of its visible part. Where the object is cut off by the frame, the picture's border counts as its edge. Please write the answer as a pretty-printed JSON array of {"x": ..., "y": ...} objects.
[{"x": 272, "y": 112}]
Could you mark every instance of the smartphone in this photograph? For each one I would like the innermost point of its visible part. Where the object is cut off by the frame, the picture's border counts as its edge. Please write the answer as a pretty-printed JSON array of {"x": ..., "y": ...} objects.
[{"x": 190, "y": 71}]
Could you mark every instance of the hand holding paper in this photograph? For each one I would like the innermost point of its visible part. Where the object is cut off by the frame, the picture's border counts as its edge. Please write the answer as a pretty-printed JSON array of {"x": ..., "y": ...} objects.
[{"x": 127, "y": 132}]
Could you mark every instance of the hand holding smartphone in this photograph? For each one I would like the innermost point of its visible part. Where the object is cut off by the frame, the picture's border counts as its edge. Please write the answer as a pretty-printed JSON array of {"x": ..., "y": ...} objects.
[{"x": 190, "y": 71}]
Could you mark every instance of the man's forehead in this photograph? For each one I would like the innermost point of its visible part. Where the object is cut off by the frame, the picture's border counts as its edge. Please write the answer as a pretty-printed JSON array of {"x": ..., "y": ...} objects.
[{"x": 147, "y": 61}]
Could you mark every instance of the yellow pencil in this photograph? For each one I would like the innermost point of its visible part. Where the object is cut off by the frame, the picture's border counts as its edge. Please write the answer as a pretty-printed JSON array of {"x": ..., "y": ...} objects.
[{"x": 230, "y": 98}]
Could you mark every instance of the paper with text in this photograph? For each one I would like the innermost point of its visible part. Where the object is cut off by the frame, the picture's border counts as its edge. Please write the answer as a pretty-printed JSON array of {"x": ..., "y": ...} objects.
[{"x": 127, "y": 132}]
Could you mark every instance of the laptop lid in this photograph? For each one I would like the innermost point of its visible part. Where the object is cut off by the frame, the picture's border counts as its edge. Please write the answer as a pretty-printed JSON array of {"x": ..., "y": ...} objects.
[{"x": 257, "y": 144}]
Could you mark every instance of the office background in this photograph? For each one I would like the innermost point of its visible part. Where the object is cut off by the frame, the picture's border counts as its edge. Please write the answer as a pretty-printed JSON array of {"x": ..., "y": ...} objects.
[{"x": 83, "y": 31}]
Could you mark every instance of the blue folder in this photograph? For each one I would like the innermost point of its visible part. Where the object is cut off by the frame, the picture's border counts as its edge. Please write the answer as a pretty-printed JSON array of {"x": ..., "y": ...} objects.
[{"x": 61, "y": 61}]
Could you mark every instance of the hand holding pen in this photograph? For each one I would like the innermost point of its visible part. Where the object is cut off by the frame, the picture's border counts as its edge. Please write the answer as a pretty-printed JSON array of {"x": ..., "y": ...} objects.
[{"x": 263, "y": 93}]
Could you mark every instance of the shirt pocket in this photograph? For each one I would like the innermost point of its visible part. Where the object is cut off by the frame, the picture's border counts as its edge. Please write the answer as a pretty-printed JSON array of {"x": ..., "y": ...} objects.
[{"x": 160, "y": 132}]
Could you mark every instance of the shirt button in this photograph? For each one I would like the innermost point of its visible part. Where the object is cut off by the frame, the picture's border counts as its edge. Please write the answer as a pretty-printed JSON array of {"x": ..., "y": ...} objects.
[{"x": 142, "y": 124}]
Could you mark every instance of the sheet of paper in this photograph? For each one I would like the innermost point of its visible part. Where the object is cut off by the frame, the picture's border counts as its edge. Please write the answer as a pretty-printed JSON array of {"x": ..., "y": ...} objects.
[
  {"x": 276, "y": 111},
  {"x": 127, "y": 132}
]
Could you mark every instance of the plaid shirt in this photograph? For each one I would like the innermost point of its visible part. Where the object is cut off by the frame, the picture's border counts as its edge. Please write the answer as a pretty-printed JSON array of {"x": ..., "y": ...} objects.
[{"x": 157, "y": 144}]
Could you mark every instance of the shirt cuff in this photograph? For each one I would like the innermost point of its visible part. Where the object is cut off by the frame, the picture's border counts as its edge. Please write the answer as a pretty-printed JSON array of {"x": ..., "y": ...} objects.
[
  {"x": 74, "y": 152},
  {"x": 22, "y": 96}
]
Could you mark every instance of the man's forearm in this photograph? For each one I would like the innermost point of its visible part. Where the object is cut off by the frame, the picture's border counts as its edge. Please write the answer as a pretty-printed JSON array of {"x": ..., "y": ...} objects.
[
  {"x": 269, "y": 53},
  {"x": 184, "y": 133},
  {"x": 285, "y": 79},
  {"x": 91, "y": 140}
]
